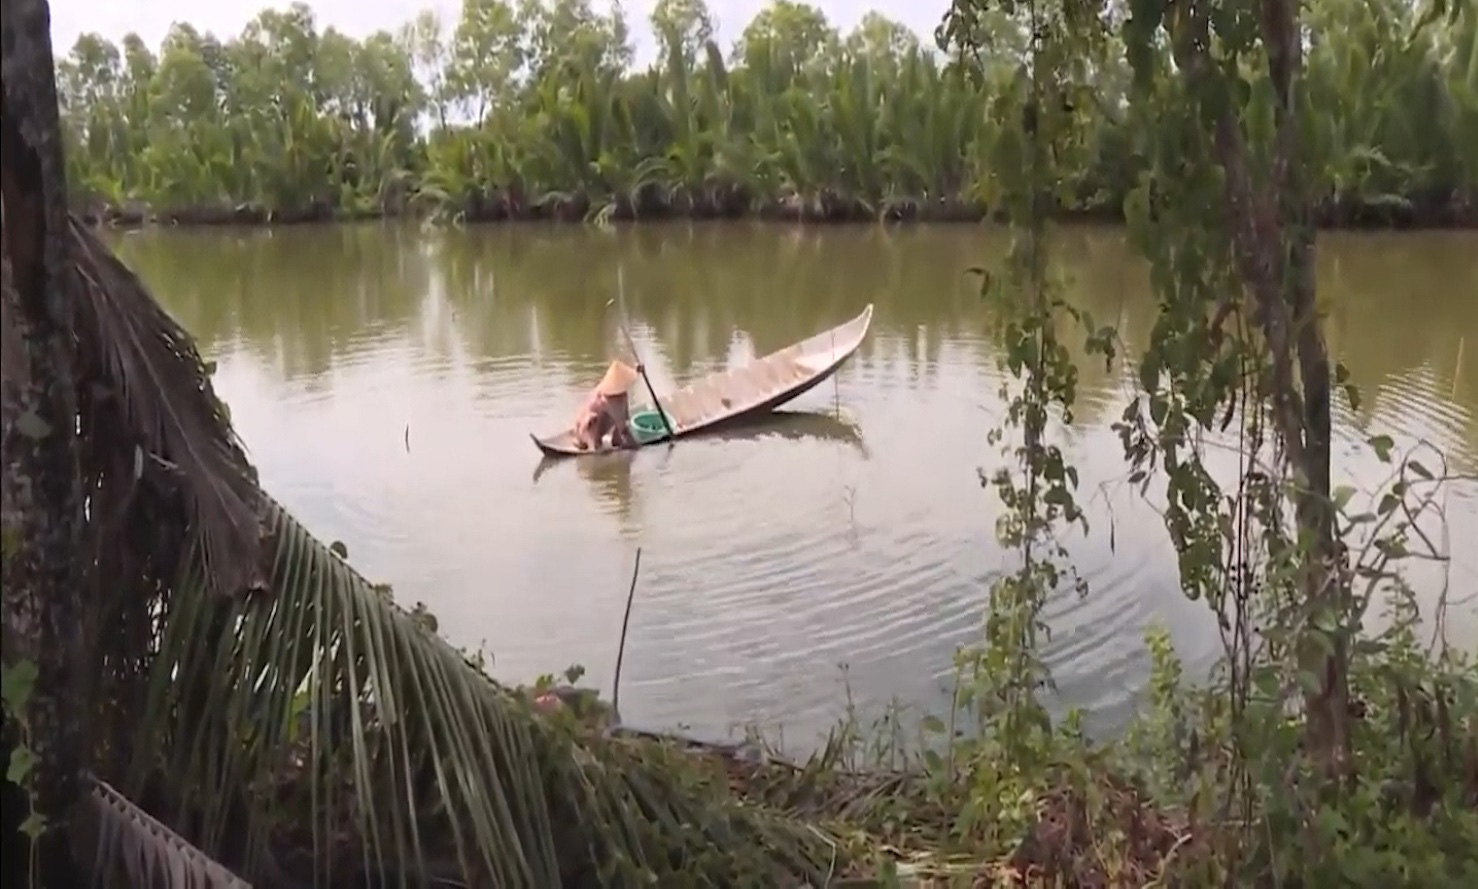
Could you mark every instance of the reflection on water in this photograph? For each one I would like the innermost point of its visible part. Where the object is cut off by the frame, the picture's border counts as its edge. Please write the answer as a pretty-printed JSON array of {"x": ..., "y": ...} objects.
[
  {"x": 781, "y": 424},
  {"x": 386, "y": 380}
]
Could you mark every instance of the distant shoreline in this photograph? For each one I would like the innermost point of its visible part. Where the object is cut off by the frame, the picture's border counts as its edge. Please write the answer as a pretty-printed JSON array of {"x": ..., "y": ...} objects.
[{"x": 1455, "y": 215}]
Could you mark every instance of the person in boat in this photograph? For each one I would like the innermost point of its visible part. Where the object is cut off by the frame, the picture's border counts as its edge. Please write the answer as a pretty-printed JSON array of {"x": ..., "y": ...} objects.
[{"x": 608, "y": 410}]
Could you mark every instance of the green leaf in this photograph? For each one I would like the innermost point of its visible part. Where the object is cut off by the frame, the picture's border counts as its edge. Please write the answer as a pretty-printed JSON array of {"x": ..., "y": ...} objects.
[
  {"x": 1158, "y": 409},
  {"x": 17, "y": 681},
  {"x": 22, "y": 760},
  {"x": 34, "y": 825},
  {"x": 1342, "y": 495},
  {"x": 1382, "y": 445},
  {"x": 933, "y": 725},
  {"x": 1149, "y": 375},
  {"x": 1419, "y": 470},
  {"x": 1309, "y": 681}
]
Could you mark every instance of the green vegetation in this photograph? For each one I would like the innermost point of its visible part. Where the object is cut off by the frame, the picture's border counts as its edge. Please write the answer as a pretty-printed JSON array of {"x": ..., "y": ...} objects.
[
  {"x": 1324, "y": 750},
  {"x": 533, "y": 110},
  {"x": 244, "y": 685}
]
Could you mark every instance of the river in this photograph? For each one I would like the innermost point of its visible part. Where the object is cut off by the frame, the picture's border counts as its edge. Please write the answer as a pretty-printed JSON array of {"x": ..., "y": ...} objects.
[{"x": 386, "y": 380}]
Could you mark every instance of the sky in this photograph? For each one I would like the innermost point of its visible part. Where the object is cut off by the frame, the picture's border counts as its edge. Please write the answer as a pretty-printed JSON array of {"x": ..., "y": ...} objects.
[{"x": 151, "y": 18}]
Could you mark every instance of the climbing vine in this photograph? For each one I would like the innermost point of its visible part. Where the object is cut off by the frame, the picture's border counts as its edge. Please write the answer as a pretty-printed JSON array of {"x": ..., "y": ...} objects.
[
  {"x": 16, "y": 684},
  {"x": 1005, "y": 760},
  {"x": 1237, "y": 363},
  {"x": 1319, "y": 746}
]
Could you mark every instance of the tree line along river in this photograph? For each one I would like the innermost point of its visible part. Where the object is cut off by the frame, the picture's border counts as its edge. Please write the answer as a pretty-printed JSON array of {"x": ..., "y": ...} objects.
[{"x": 545, "y": 110}]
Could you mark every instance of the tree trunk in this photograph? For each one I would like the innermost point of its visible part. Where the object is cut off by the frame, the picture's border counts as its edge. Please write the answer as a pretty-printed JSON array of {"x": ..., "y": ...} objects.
[
  {"x": 1325, "y": 585},
  {"x": 1326, "y": 707},
  {"x": 1273, "y": 244},
  {"x": 42, "y": 495}
]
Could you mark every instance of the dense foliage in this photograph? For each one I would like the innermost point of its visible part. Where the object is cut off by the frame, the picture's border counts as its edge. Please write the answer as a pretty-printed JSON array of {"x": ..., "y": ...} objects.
[
  {"x": 534, "y": 109},
  {"x": 1336, "y": 741},
  {"x": 295, "y": 724}
]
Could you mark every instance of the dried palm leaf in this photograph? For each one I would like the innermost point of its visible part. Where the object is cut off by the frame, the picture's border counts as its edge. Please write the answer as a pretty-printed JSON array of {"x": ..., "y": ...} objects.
[
  {"x": 173, "y": 419},
  {"x": 312, "y": 731},
  {"x": 323, "y": 732}
]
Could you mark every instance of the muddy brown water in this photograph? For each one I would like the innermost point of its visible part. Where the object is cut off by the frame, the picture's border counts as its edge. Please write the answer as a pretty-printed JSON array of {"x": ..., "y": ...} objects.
[{"x": 385, "y": 380}]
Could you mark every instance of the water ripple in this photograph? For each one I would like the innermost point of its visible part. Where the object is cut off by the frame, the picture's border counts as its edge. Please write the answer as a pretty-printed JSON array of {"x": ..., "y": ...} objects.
[{"x": 401, "y": 428}]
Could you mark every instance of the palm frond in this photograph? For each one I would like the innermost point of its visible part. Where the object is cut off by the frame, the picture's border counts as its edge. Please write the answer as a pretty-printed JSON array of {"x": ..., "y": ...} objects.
[
  {"x": 310, "y": 731},
  {"x": 321, "y": 731},
  {"x": 174, "y": 421},
  {"x": 135, "y": 849}
]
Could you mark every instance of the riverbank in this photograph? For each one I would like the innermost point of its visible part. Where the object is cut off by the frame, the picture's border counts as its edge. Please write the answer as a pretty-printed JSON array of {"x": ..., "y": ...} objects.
[
  {"x": 890, "y": 818},
  {"x": 1144, "y": 810},
  {"x": 1420, "y": 212}
]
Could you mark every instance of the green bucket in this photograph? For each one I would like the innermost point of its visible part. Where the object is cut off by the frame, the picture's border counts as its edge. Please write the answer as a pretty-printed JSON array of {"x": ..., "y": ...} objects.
[{"x": 647, "y": 426}]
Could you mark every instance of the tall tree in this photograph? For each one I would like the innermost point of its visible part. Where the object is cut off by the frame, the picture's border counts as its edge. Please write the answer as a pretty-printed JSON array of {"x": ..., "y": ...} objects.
[
  {"x": 42, "y": 502},
  {"x": 1271, "y": 238},
  {"x": 487, "y": 54},
  {"x": 683, "y": 25}
]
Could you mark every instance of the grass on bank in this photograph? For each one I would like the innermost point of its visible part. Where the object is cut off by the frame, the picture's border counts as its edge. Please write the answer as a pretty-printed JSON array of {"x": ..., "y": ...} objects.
[
  {"x": 1206, "y": 787},
  {"x": 1169, "y": 804}
]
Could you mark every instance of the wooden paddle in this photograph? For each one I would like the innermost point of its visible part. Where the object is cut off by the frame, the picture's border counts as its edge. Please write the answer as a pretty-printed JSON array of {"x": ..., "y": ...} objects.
[{"x": 641, "y": 368}]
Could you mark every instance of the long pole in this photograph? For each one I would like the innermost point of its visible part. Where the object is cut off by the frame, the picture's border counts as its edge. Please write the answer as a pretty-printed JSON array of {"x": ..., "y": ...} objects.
[
  {"x": 642, "y": 369},
  {"x": 641, "y": 366},
  {"x": 621, "y": 649},
  {"x": 1457, "y": 369}
]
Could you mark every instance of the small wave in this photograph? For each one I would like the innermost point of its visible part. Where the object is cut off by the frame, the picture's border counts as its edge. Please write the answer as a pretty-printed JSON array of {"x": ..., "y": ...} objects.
[
  {"x": 760, "y": 574},
  {"x": 1414, "y": 403}
]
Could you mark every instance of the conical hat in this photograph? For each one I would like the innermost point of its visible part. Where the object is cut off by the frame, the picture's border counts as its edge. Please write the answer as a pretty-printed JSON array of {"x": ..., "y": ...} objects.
[{"x": 619, "y": 377}]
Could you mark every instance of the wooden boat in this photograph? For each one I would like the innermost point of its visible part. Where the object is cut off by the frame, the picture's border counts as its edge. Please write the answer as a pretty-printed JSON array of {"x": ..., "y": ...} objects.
[
  {"x": 724, "y": 396},
  {"x": 791, "y": 425}
]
